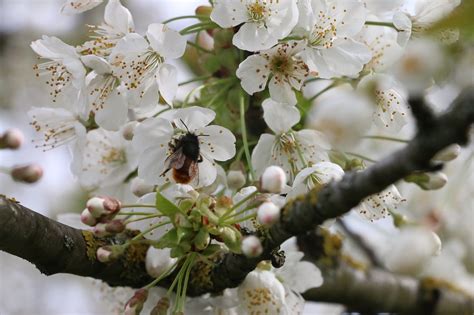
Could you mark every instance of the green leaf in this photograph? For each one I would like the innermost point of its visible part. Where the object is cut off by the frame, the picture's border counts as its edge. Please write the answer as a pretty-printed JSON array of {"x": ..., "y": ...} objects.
[
  {"x": 170, "y": 239},
  {"x": 165, "y": 206},
  {"x": 211, "y": 249},
  {"x": 183, "y": 233}
]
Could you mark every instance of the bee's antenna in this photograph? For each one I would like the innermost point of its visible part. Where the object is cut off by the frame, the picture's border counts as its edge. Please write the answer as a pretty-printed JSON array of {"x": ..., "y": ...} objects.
[{"x": 184, "y": 124}]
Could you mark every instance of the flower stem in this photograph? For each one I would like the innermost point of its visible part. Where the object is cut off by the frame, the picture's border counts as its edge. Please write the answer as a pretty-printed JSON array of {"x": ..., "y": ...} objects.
[
  {"x": 250, "y": 216},
  {"x": 200, "y": 48},
  {"x": 387, "y": 24},
  {"x": 144, "y": 218},
  {"x": 198, "y": 27},
  {"x": 361, "y": 157},
  {"x": 386, "y": 138},
  {"x": 330, "y": 86},
  {"x": 138, "y": 206},
  {"x": 202, "y": 78},
  {"x": 243, "y": 128},
  {"x": 238, "y": 204},
  {"x": 151, "y": 228},
  {"x": 163, "y": 275},
  {"x": 186, "y": 17}
]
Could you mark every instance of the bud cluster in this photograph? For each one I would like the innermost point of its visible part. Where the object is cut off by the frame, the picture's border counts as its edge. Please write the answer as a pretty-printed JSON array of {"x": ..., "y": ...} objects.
[{"x": 100, "y": 213}]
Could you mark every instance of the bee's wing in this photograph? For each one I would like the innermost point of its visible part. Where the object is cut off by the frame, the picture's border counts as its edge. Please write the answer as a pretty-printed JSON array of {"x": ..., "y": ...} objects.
[
  {"x": 194, "y": 171},
  {"x": 175, "y": 160}
]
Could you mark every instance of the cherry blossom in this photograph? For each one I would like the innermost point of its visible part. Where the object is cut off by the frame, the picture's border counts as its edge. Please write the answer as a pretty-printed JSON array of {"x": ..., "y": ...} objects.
[
  {"x": 281, "y": 65},
  {"x": 264, "y": 22}
]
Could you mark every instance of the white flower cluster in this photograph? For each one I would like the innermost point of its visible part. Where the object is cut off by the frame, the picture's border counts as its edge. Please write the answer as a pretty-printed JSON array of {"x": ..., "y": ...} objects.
[{"x": 315, "y": 77}]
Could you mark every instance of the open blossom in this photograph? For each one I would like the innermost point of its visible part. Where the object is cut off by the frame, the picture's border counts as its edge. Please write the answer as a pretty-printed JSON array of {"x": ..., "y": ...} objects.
[
  {"x": 317, "y": 175},
  {"x": 118, "y": 22},
  {"x": 380, "y": 205},
  {"x": 391, "y": 111},
  {"x": 104, "y": 96},
  {"x": 264, "y": 22},
  {"x": 104, "y": 159},
  {"x": 329, "y": 28},
  {"x": 64, "y": 73},
  {"x": 155, "y": 137},
  {"x": 57, "y": 126},
  {"x": 416, "y": 19},
  {"x": 282, "y": 65},
  {"x": 141, "y": 64},
  {"x": 291, "y": 150},
  {"x": 78, "y": 6}
]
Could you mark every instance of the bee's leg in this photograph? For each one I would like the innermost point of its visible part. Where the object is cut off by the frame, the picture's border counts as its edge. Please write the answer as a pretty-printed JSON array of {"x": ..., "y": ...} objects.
[{"x": 165, "y": 171}]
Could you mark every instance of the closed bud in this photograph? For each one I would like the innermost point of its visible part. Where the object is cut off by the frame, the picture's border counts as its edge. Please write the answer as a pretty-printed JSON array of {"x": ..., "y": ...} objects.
[
  {"x": 27, "y": 174},
  {"x": 161, "y": 307},
  {"x": 251, "y": 246},
  {"x": 104, "y": 254},
  {"x": 115, "y": 226},
  {"x": 448, "y": 154},
  {"x": 135, "y": 305},
  {"x": 100, "y": 206},
  {"x": 128, "y": 130},
  {"x": 273, "y": 179},
  {"x": 140, "y": 188},
  {"x": 87, "y": 218},
  {"x": 428, "y": 181},
  {"x": 235, "y": 179},
  {"x": 11, "y": 139},
  {"x": 100, "y": 230},
  {"x": 204, "y": 10},
  {"x": 202, "y": 239},
  {"x": 268, "y": 213}
]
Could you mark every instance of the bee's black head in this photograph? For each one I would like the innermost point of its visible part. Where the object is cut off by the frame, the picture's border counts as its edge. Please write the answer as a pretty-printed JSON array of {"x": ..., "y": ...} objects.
[{"x": 189, "y": 144}]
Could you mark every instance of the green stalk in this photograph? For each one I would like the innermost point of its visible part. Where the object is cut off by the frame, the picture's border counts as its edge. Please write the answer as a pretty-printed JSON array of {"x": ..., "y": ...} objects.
[
  {"x": 150, "y": 229},
  {"x": 198, "y": 27},
  {"x": 386, "y": 138},
  {"x": 201, "y": 78},
  {"x": 200, "y": 48},
  {"x": 138, "y": 206},
  {"x": 238, "y": 204},
  {"x": 386, "y": 24},
  {"x": 250, "y": 216},
  {"x": 243, "y": 127},
  {"x": 361, "y": 157},
  {"x": 144, "y": 218},
  {"x": 163, "y": 275},
  {"x": 197, "y": 16},
  {"x": 330, "y": 86}
]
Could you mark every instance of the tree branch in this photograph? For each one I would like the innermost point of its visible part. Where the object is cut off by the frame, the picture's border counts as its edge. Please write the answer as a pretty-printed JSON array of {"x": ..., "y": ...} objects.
[{"x": 56, "y": 248}]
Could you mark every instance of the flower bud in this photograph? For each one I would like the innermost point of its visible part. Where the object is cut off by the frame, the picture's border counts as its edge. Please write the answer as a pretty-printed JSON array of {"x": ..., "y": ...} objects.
[
  {"x": 204, "y": 10},
  {"x": 135, "y": 305},
  {"x": 103, "y": 254},
  {"x": 27, "y": 174},
  {"x": 87, "y": 218},
  {"x": 202, "y": 239},
  {"x": 448, "y": 154},
  {"x": 115, "y": 226},
  {"x": 128, "y": 130},
  {"x": 428, "y": 181},
  {"x": 100, "y": 206},
  {"x": 11, "y": 139},
  {"x": 158, "y": 261},
  {"x": 235, "y": 179},
  {"x": 273, "y": 179},
  {"x": 140, "y": 188},
  {"x": 268, "y": 213},
  {"x": 100, "y": 230},
  {"x": 251, "y": 246},
  {"x": 161, "y": 307}
]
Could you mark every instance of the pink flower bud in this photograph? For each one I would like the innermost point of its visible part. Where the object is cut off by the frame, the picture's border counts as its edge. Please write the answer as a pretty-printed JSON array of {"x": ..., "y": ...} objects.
[
  {"x": 104, "y": 254},
  {"x": 100, "y": 230},
  {"x": 135, "y": 304},
  {"x": 101, "y": 206},
  {"x": 268, "y": 213},
  {"x": 27, "y": 174},
  {"x": 115, "y": 226},
  {"x": 87, "y": 218},
  {"x": 273, "y": 179},
  {"x": 251, "y": 246},
  {"x": 11, "y": 139}
]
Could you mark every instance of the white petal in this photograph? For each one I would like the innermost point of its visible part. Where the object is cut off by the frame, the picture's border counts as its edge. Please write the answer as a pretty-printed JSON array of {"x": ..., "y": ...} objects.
[
  {"x": 229, "y": 13},
  {"x": 301, "y": 276},
  {"x": 151, "y": 165},
  {"x": 253, "y": 37},
  {"x": 347, "y": 57},
  {"x": 207, "y": 172},
  {"x": 53, "y": 48},
  {"x": 253, "y": 73},
  {"x": 96, "y": 63},
  {"x": 217, "y": 142},
  {"x": 279, "y": 117},
  {"x": 281, "y": 91},
  {"x": 379, "y": 205},
  {"x": 129, "y": 44},
  {"x": 78, "y": 6},
  {"x": 262, "y": 154},
  {"x": 191, "y": 118},
  {"x": 167, "y": 42},
  {"x": 167, "y": 80},
  {"x": 113, "y": 115},
  {"x": 119, "y": 17},
  {"x": 152, "y": 132}
]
